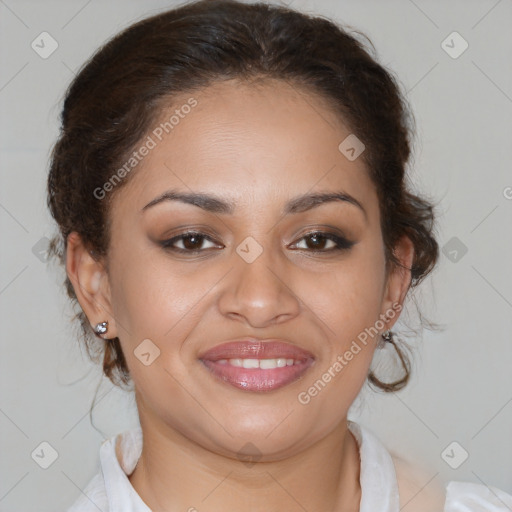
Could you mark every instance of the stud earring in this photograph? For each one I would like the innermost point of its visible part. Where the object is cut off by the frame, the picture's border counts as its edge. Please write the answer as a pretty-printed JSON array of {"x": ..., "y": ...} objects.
[
  {"x": 386, "y": 337},
  {"x": 101, "y": 328}
]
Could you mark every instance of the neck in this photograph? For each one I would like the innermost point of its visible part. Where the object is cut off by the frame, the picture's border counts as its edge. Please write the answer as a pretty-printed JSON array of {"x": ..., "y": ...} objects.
[{"x": 175, "y": 473}]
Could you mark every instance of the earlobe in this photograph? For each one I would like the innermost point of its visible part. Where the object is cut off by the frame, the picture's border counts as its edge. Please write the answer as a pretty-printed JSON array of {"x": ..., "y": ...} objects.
[
  {"x": 90, "y": 282},
  {"x": 399, "y": 279}
]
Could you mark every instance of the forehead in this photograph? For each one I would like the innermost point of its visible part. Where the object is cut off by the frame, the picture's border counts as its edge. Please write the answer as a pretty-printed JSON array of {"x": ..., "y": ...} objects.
[{"x": 254, "y": 144}]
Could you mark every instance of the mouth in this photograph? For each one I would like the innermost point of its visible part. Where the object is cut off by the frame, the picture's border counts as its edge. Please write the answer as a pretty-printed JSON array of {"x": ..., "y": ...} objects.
[{"x": 255, "y": 365}]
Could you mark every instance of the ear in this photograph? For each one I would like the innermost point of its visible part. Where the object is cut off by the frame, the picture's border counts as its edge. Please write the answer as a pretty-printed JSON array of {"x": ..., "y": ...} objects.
[
  {"x": 399, "y": 280},
  {"x": 90, "y": 282}
]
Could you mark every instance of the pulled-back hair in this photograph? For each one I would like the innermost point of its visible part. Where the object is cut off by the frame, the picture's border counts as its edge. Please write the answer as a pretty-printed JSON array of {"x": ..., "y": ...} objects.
[{"x": 118, "y": 94}]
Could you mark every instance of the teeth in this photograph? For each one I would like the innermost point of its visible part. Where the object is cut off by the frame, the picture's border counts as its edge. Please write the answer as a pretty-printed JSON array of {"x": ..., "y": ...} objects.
[
  {"x": 264, "y": 364},
  {"x": 270, "y": 363},
  {"x": 250, "y": 363}
]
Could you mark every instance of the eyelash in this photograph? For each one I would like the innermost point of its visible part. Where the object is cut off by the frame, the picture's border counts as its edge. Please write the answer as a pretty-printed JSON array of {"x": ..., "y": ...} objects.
[{"x": 342, "y": 244}]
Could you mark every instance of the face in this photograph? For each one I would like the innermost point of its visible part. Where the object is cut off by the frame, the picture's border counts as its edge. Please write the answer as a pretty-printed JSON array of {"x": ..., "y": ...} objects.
[{"x": 260, "y": 263}]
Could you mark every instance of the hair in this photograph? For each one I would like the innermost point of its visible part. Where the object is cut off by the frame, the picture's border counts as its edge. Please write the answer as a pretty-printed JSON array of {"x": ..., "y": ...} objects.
[{"x": 117, "y": 96}]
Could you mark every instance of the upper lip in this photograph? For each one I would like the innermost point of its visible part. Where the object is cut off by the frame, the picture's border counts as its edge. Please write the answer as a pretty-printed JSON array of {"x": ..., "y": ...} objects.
[{"x": 252, "y": 348}]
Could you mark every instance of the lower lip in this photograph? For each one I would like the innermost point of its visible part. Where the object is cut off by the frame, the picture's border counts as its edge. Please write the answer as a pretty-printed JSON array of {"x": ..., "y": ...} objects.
[{"x": 256, "y": 379}]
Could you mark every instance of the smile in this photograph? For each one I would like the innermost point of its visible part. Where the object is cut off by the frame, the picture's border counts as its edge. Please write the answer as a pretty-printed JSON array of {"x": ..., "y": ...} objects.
[{"x": 259, "y": 372}]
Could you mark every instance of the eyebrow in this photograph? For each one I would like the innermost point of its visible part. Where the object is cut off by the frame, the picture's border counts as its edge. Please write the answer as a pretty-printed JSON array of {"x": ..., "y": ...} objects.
[{"x": 215, "y": 204}]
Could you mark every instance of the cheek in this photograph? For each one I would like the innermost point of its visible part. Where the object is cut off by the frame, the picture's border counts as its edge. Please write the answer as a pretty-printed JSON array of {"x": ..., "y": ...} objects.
[
  {"x": 147, "y": 300},
  {"x": 348, "y": 301},
  {"x": 348, "y": 298},
  {"x": 156, "y": 298},
  {"x": 153, "y": 308},
  {"x": 137, "y": 289}
]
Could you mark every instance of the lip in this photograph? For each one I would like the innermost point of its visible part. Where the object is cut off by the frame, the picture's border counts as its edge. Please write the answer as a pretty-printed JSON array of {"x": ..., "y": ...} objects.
[
  {"x": 256, "y": 349},
  {"x": 257, "y": 379}
]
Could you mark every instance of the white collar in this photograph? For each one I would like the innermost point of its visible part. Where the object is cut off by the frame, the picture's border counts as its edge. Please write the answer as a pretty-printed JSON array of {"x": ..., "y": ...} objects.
[{"x": 379, "y": 488}]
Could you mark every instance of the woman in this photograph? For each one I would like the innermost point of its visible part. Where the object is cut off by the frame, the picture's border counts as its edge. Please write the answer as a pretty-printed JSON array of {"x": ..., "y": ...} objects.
[{"x": 235, "y": 224}]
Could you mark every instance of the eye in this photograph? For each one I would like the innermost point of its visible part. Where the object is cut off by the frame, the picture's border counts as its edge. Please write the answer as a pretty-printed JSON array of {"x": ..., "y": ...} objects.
[
  {"x": 192, "y": 242},
  {"x": 319, "y": 239}
]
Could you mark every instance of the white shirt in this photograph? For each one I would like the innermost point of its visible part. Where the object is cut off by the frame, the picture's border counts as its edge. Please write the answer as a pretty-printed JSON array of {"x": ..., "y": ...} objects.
[{"x": 110, "y": 489}]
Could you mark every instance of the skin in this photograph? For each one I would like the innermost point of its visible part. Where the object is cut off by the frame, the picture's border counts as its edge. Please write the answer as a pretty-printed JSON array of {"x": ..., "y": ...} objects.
[{"x": 258, "y": 146}]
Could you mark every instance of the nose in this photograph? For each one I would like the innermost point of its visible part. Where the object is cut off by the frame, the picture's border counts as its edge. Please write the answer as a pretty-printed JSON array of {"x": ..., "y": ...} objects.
[{"x": 259, "y": 293}]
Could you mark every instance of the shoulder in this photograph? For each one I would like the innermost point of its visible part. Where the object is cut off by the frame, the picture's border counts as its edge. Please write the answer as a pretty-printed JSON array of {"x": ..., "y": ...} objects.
[
  {"x": 476, "y": 497},
  {"x": 423, "y": 491},
  {"x": 419, "y": 490},
  {"x": 92, "y": 498}
]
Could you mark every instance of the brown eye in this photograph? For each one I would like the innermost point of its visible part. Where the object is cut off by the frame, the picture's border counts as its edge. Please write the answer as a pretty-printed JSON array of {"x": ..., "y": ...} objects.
[
  {"x": 191, "y": 242},
  {"x": 318, "y": 240}
]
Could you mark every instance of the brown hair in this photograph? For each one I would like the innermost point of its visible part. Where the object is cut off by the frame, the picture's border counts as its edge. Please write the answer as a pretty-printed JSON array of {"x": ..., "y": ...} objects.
[{"x": 112, "y": 102}]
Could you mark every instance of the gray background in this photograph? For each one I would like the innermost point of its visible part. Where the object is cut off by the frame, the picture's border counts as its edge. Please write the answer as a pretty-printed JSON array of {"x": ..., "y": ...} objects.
[{"x": 461, "y": 387}]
